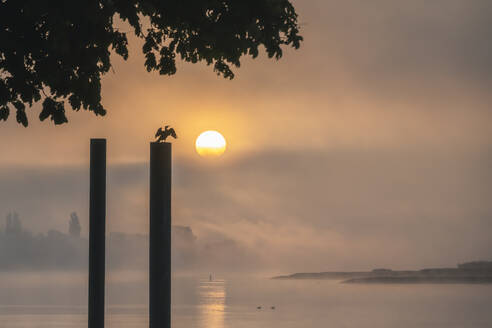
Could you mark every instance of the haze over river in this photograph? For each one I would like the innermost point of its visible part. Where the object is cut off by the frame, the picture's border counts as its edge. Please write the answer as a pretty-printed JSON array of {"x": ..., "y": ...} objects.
[{"x": 232, "y": 302}]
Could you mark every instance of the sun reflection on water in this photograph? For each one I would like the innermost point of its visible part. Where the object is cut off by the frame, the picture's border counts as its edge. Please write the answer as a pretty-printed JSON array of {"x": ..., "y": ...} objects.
[{"x": 212, "y": 303}]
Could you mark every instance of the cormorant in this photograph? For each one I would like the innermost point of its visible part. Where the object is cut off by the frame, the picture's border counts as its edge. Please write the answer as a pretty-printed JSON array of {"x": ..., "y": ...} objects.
[{"x": 161, "y": 135}]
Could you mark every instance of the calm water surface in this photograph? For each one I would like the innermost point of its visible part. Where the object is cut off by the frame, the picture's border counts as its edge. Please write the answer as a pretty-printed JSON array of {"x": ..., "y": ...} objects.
[{"x": 225, "y": 303}]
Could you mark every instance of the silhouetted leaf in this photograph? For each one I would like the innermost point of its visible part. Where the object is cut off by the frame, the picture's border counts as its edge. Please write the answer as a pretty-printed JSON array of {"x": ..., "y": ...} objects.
[
  {"x": 4, "y": 113},
  {"x": 21, "y": 117},
  {"x": 53, "y": 109}
]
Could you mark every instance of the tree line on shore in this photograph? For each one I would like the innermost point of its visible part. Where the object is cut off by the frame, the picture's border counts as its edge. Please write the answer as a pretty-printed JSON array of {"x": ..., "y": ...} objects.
[{"x": 23, "y": 250}]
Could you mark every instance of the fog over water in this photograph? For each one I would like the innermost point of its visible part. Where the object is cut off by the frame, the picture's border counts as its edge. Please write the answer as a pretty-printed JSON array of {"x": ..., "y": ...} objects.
[{"x": 345, "y": 211}]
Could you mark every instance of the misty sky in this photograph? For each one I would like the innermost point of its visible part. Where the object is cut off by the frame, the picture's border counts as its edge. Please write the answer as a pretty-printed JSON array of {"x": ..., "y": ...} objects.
[{"x": 371, "y": 146}]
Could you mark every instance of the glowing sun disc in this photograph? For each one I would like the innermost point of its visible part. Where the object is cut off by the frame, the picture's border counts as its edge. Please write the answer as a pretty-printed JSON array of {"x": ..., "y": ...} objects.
[{"x": 210, "y": 143}]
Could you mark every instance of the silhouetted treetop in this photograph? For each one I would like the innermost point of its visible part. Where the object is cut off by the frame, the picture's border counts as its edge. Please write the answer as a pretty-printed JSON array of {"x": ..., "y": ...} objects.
[{"x": 57, "y": 50}]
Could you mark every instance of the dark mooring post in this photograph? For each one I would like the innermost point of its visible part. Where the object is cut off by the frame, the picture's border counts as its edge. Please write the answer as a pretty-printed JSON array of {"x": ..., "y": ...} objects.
[
  {"x": 160, "y": 236},
  {"x": 97, "y": 233}
]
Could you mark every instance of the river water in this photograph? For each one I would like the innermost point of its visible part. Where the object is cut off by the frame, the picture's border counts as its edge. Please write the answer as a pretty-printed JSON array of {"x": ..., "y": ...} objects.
[{"x": 234, "y": 302}]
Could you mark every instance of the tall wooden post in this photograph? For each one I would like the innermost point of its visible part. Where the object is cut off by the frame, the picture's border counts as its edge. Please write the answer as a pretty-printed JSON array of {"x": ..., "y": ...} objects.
[
  {"x": 97, "y": 232},
  {"x": 160, "y": 236}
]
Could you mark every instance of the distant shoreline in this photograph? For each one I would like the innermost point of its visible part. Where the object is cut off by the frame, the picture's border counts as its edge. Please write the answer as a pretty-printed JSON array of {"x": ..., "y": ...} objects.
[
  {"x": 467, "y": 273},
  {"x": 420, "y": 280}
]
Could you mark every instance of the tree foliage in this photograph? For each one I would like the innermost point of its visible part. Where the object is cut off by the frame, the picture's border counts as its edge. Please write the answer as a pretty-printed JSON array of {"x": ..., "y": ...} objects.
[{"x": 56, "y": 51}]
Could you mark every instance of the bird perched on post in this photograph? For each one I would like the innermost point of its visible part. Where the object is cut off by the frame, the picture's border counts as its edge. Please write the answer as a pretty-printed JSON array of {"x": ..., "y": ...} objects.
[{"x": 161, "y": 135}]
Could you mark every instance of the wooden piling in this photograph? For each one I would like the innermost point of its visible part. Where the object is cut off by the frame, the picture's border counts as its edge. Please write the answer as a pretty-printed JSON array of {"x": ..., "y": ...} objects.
[
  {"x": 160, "y": 236},
  {"x": 97, "y": 232}
]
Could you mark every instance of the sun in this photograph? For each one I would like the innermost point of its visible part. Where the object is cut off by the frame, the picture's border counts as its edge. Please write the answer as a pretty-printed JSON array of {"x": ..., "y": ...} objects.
[{"x": 210, "y": 143}]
